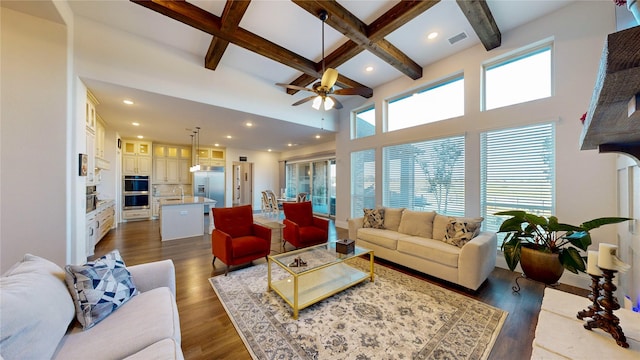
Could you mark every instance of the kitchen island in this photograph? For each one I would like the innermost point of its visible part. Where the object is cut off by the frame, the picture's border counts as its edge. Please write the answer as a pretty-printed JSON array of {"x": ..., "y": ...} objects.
[{"x": 183, "y": 217}]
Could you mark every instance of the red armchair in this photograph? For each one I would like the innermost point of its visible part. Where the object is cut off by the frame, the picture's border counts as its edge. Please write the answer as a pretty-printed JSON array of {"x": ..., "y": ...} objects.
[
  {"x": 236, "y": 239},
  {"x": 301, "y": 228}
]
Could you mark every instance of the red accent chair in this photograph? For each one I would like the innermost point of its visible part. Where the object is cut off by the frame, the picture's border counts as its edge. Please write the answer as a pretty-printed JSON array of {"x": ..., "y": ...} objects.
[
  {"x": 301, "y": 228},
  {"x": 236, "y": 239}
]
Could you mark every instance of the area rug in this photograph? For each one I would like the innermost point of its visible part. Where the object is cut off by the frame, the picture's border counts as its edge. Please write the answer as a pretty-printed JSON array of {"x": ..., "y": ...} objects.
[{"x": 395, "y": 317}]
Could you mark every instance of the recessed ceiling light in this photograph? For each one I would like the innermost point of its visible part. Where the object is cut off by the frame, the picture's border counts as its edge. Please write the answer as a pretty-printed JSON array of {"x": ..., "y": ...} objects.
[
  {"x": 289, "y": 144},
  {"x": 368, "y": 69},
  {"x": 140, "y": 137},
  {"x": 135, "y": 124},
  {"x": 216, "y": 145},
  {"x": 318, "y": 136},
  {"x": 249, "y": 124},
  {"x": 269, "y": 150},
  {"x": 228, "y": 136},
  {"x": 127, "y": 101},
  {"x": 432, "y": 35}
]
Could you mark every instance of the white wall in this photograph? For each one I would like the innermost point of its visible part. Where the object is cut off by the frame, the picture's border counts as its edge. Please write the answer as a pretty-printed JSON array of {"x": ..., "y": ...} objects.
[
  {"x": 265, "y": 173},
  {"x": 34, "y": 140},
  {"x": 585, "y": 180}
]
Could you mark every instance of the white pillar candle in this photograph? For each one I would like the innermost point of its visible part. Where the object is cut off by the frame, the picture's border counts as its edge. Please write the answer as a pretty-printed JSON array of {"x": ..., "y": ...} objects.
[
  {"x": 605, "y": 256},
  {"x": 592, "y": 263}
]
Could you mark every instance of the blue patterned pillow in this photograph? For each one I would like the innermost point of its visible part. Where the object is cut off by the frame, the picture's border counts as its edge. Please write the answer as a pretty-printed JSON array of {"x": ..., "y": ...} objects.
[{"x": 99, "y": 287}]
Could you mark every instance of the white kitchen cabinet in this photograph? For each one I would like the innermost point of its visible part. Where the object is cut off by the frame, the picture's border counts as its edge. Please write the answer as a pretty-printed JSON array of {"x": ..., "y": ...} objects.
[
  {"x": 105, "y": 219},
  {"x": 90, "y": 112},
  {"x": 171, "y": 164},
  {"x": 136, "y": 157},
  {"x": 91, "y": 161},
  {"x": 135, "y": 147},
  {"x": 100, "y": 131},
  {"x": 91, "y": 233}
]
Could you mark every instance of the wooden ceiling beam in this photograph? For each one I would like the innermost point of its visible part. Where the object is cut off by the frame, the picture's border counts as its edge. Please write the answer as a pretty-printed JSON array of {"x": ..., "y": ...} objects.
[
  {"x": 479, "y": 16},
  {"x": 202, "y": 20},
  {"x": 231, "y": 15},
  {"x": 353, "y": 28},
  {"x": 390, "y": 21}
]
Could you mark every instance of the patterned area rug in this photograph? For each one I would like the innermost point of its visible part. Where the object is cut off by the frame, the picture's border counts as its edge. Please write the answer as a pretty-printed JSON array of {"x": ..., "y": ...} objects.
[{"x": 395, "y": 317}]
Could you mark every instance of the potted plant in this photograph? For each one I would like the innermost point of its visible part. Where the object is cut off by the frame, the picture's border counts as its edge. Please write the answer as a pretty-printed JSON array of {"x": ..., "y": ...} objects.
[{"x": 545, "y": 247}]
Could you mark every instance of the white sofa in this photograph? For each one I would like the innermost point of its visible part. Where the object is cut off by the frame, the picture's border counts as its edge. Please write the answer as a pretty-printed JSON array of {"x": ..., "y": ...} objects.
[
  {"x": 38, "y": 316},
  {"x": 421, "y": 246}
]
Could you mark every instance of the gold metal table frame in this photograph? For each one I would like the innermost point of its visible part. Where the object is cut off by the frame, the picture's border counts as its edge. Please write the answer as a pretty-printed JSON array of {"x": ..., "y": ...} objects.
[{"x": 326, "y": 273}]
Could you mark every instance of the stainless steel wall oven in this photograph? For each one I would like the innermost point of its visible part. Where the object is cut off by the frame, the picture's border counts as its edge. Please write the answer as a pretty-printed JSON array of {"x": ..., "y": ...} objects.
[{"x": 135, "y": 192}]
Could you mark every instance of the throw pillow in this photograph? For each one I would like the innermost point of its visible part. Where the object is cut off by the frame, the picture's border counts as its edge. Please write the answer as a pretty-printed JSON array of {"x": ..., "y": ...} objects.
[
  {"x": 373, "y": 218},
  {"x": 99, "y": 287},
  {"x": 417, "y": 223},
  {"x": 461, "y": 230},
  {"x": 440, "y": 223},
  {"x": 392, "y": 217}
]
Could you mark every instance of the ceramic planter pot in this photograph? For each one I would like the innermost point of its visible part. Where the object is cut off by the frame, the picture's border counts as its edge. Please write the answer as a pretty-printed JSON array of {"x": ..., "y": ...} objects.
[{"x": 541, "y": 266}]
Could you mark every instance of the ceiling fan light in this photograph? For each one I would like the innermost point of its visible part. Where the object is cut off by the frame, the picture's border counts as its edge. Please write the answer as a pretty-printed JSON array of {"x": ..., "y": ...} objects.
[
  {"x": 328, "y": 103},
  {"x": 317, "y": 102}
]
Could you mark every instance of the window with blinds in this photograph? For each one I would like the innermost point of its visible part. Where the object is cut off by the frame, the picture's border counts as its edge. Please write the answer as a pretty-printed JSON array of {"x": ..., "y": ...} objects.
[
  {"x": 517, "y": 172},
  {"x": 363, "y": 181},
  {"x": 427, "y": 175}
]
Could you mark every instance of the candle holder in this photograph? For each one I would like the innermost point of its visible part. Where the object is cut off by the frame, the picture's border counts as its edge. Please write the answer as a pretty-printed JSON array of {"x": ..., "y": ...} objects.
[
  {"x": 594, "y": 308},
  {"x": 604, "y": 319}
]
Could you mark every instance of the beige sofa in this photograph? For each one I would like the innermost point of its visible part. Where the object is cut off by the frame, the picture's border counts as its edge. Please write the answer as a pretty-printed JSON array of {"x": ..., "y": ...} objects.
[
  {"x": 38, "y": 315},
  {"x": 417, "y": 240}
]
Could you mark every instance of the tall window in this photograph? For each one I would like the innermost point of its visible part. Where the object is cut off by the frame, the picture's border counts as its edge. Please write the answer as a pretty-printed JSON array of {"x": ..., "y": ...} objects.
[
  {"x": 364, "y": 123},
  {"x": 521, "y": 78},
  {"x": 363, "y": 181},
  {"x": 317, "y": 179},
  {"x": 426, "y": 175},
  {"x": 517, "y": 172},
  {"x": 445, "y": 100}
]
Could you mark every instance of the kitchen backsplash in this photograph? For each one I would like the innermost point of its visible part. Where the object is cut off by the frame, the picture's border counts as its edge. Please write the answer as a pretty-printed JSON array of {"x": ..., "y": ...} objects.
[{"x": 171, "y": 190}]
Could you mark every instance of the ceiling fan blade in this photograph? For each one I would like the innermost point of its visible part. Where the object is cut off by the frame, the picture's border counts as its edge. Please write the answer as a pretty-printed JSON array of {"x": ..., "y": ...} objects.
[
  {"x": 329, "y": 78},
  {"x": 294, "y": 87},
  {"x": 362, "y": 91},
  {"x": 304, "y": 100},
  {"x": 337, "y": 104}
]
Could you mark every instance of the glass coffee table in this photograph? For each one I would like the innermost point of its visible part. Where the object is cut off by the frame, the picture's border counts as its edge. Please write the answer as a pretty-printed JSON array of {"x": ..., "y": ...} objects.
[{"x": 325, "y": 272}]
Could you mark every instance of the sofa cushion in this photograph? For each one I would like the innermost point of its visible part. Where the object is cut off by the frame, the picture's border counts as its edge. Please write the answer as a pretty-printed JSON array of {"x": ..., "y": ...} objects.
[
  {"x": 429, "y": 249},
  {"x": 381, "y": 237},
  {"x": 461, "y": 230},
  {"x": 392, "y": 218},
  {"x": 440, "y": 223},
  {"x": 144, "y": 320},
  {"x": 417, "y": 223},
  {"x": 99, "y": 287},
  {"x": 163, "y": 349},
  {"x": 35, "y": 307},
  {"x": 373, "y": 218}
]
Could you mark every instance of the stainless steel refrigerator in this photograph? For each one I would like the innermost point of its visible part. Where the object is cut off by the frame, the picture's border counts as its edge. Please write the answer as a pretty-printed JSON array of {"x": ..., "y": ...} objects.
[{"x": 210, "y": 184}]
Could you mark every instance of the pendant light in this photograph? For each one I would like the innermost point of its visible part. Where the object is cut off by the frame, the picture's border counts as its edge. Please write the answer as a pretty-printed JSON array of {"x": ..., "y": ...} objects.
[{"x": 195, "y": 141}]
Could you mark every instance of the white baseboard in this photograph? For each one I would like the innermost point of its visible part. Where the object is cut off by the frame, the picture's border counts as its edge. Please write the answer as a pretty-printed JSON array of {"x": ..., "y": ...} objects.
[{"x": 580, "y": 280}]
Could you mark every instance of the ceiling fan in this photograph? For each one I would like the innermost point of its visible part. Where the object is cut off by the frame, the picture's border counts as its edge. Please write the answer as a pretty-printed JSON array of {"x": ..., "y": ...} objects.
[{"x": 324, "y": 88}]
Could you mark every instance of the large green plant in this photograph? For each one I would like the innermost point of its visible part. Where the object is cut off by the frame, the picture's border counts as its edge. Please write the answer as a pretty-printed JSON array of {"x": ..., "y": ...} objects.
[{"x": 548, "y": 235}]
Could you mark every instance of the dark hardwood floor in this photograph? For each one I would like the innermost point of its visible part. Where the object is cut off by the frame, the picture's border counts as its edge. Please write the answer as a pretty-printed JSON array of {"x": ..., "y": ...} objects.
[{"x": 207, "y": 332}]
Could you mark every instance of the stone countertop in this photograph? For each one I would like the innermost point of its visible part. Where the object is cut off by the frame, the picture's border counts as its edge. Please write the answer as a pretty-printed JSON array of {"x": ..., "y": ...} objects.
[{"x": 186, "y": 200}]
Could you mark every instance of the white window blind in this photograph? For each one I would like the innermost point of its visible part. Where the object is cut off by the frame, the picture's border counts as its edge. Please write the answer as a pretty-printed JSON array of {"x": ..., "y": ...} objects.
[
  {"x": 426, "y": 175},
  {"x": 517, "y": 172},
  {"x": 363, "y": 181}
]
